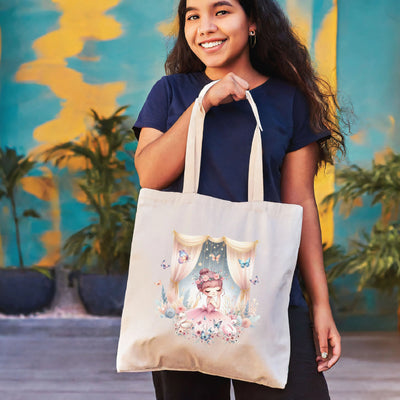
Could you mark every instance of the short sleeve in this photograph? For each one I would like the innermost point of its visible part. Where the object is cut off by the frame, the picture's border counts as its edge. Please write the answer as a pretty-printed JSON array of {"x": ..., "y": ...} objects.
[
  {"x": 154, "y": 113},
  {"x": 302, "y": 131}
]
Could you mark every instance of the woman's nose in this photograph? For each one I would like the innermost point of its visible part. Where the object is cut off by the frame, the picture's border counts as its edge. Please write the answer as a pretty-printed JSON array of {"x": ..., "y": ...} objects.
[{"x": 206, "y": 26}]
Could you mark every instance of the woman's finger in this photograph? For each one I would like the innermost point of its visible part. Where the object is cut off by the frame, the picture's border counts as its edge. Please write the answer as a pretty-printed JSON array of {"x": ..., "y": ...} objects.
[
  {"x": 336, "y": 350},
  {"x": 240, "y": 94},
  {"x": 239, "y": 87},
  {"x": 241, "y": 82},
  {"x": 322, "y": 364},
  {"x": 323, "y": 344}
]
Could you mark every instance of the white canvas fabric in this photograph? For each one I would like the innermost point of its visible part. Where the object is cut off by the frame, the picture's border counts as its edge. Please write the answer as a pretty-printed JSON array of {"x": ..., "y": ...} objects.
[{"x": 209, "y": 280}]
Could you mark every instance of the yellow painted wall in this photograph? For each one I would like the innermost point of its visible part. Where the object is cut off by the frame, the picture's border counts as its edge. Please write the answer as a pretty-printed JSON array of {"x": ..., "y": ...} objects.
[{"x": 80, "y": 22}]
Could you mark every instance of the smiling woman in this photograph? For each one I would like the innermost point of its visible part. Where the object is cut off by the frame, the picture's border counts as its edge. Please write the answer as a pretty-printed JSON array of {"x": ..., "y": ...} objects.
[
  {"x": 248, "y": 45},
  {"x": 279, "y": 53}
]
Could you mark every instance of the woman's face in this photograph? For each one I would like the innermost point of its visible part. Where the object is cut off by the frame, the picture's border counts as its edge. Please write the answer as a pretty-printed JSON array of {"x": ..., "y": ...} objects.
[{"x": 217, "y": 32}]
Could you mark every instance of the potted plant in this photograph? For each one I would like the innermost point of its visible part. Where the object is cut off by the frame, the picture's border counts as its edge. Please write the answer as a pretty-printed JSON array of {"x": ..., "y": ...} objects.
[
  {"x": 99, "y": 251},
  {"x": 22, "y": 290},
  {"x": 376, "y": 256}
]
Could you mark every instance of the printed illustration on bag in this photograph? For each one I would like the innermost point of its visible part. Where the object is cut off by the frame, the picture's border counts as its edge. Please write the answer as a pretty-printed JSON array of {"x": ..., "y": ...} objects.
[{"x": 208, "y": 297}]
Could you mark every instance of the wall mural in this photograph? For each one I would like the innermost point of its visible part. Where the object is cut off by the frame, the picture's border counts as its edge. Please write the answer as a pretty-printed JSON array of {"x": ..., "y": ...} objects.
[{"x": 61, "y": 58}]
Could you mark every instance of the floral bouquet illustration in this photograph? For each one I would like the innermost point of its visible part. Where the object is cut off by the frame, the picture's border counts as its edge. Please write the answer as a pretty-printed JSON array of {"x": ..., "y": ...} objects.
[{"x": 208, "y": 297}]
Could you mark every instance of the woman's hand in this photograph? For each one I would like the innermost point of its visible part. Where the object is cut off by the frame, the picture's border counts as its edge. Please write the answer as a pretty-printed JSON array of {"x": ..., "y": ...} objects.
[
  {"x": 327, "y": 338},
  {"x": 230, "y": 88}
]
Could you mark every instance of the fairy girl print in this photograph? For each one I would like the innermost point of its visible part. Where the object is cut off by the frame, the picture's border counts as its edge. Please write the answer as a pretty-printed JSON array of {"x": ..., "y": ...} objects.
[
  {"x": 208, "y": 292},
  {"x": 210, "y": 284},
  {"x": 208, "y": 322}
]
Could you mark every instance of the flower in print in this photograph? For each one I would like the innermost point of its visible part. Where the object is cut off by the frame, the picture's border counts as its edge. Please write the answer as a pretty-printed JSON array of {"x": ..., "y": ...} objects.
[{"x": 170, "y": 312}]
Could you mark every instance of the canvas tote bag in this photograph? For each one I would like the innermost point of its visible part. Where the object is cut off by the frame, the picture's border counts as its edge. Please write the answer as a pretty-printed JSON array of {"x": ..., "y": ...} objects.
[{"x": 209, "y": 279}]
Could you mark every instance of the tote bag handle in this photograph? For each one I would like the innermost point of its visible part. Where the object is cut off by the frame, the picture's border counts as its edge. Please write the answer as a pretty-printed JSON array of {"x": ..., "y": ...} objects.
[{"x": 194, "y": 146}]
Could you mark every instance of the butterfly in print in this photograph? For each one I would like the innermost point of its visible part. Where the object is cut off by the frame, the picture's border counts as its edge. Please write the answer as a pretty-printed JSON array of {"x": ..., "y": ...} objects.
[
  {"x": 244, "y": 264},
  {"x": 158, "y": 283},
  {"x": 164, "y": 265},
  {"x": 183, "y": 257},
  {"x": 215, "y": 258},
  {"x": 205, "y": 337},
  {"x": 255, "y": 280},
  {"x": 217, "y": 324}
]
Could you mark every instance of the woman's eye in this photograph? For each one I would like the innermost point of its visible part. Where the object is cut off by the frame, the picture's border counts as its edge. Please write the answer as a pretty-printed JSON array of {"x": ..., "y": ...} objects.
[
  {"x": 191, "y": 17},
  {"x": 222, "y": 12}
]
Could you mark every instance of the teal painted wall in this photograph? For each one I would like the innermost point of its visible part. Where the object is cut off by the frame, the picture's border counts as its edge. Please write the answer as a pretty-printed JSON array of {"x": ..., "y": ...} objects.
[{"x": 368, "y": 62}]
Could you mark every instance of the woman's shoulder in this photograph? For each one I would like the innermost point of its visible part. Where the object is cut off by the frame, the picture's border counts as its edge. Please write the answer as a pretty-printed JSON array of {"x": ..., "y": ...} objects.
[
  {"x": 280, "y": 91},
  {"x": 281, "y": 87},
  {"x": 183, "y": 81},
  {"x": 180, "y": 88}
]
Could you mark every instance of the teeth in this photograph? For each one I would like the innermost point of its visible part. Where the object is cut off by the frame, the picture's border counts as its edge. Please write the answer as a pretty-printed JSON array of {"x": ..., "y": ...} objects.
[{"x": 208, "y": 45}]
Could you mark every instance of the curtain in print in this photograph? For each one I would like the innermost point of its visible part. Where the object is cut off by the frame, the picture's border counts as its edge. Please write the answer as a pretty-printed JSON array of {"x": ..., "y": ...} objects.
[
  {"x": 185, "y": 255},
  {"x": 240, "y": 258}
]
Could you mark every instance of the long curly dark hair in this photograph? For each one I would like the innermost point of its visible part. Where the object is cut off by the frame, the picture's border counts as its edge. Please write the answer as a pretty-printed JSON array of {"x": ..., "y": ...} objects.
[{"x": 278, "y": 53}]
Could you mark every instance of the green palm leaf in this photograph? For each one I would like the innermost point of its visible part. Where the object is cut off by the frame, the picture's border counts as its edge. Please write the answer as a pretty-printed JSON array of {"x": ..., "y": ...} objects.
[
  {"x": 375, "y": 257},
  {"x": 13, "y": 167},
  {"x": 110, "y": 193}
]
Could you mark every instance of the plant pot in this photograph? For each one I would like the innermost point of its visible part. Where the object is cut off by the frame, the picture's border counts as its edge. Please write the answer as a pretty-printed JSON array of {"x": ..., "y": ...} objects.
[
  {"x": 102, "y": 294},
  {"x": 24, "y": 291}
]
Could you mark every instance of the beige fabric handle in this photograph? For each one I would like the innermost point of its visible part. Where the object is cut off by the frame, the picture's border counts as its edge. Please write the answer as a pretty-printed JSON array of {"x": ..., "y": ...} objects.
[{"x": 194, "y": 146}]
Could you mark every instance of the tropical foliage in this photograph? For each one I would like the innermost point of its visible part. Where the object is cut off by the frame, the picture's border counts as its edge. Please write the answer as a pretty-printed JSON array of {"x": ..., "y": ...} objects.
[
  {"x": 14, "y": 167},
  {"x": 106, "y": 188},
  {"x": 382, "y": 182},
  {"x": 375, "y": 257}
]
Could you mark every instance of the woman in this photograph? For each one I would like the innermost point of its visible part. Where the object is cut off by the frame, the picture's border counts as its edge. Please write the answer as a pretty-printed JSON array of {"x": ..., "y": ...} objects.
[{"x": 248, "y": 45}]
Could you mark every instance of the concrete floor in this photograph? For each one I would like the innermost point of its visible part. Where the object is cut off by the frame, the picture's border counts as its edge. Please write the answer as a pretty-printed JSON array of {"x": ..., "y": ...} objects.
[{"x": 74, "y": 359}]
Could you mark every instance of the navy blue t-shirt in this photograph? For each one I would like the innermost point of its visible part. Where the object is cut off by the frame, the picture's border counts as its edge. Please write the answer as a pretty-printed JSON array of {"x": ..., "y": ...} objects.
[{"x": 228, "y": 134}]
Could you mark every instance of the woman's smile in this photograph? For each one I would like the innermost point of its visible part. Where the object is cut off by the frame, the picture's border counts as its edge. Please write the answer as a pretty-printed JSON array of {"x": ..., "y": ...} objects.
[{"x": 211, "y": 44}]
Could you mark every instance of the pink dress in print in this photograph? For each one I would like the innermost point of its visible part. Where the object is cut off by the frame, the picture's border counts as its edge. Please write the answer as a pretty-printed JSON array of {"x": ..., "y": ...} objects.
[{"x": 209, "y": 317}]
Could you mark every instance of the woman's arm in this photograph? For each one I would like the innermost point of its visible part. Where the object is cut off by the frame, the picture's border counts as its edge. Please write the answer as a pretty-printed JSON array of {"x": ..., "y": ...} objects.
[
  {"x": 297, "y": 187},
  {"x": 160, "y": 157}
]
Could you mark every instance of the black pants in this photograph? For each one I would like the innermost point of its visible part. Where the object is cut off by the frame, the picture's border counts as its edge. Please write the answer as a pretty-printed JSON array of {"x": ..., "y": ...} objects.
[{"x": 304, "y": 381}]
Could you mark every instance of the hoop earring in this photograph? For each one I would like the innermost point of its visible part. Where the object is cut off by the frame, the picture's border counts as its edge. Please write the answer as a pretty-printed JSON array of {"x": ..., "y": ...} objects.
[{"x": 252, "y": 39}]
